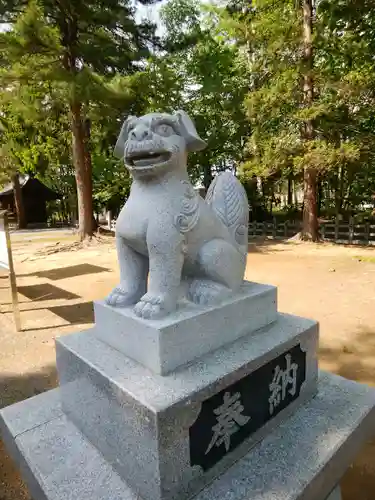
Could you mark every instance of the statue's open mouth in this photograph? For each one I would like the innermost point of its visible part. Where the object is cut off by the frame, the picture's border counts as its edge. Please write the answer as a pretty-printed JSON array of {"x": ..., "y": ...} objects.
[{"x": 143, "y": 159}]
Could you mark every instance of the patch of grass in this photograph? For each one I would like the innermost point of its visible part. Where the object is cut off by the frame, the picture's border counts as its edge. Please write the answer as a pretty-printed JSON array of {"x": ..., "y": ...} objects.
[{"x": 365, "y": 258}]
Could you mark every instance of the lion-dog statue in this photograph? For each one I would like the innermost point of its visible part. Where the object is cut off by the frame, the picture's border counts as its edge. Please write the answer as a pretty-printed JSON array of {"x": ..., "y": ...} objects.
[{"x": 166, "y": 233}]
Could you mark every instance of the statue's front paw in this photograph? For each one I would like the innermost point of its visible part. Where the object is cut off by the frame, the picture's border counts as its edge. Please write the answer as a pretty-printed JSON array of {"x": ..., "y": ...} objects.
[
  {"x": 153, "y": 306},
  {"x": 121, "y": 297}
]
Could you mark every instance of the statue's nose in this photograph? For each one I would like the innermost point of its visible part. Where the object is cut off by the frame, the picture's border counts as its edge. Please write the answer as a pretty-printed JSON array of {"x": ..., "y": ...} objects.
[{"x": 140, "y": 133}]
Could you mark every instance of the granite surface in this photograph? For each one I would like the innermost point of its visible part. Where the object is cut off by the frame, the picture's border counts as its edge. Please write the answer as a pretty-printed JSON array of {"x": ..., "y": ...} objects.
[
  {"x": 177, "y": 236},
  {"x": 160, "y": 392},
  {"x": 165, "y": 344},
  {"x": 140, "y": 420},
  {"x": 45, "y": 407},
  {"x": 306, "y": 456},
  {"x": 303, "y": 459}
]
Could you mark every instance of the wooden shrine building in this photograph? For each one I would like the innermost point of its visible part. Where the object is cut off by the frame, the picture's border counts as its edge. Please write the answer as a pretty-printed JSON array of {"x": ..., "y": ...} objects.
[{"x": 35, "y": 196}]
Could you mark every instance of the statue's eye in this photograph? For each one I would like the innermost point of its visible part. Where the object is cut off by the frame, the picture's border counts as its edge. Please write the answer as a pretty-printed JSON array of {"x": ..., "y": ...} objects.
[{"x": 164, "y": 129}]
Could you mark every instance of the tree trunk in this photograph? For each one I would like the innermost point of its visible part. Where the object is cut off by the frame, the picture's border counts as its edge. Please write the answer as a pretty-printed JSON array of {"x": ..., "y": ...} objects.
[
  {"x": 310, "y": 212},
  {"x": 348, "y": 205},
  {"x": 310, "y": 229},
  {"x": 295, "y": 193},
  {"x": 339, "y": 191},
  {"x": 83, "y": 176},
  {"x": 68, "y": 26},
  {"x": 290, "y": 191},
  {"x": 88, "y": 163},
  {"x": 207, "y": 176},
  {"x": 272, "y": 196},
  {"x": 320, "y": 195},
  {"x": 18, "y": 202}
]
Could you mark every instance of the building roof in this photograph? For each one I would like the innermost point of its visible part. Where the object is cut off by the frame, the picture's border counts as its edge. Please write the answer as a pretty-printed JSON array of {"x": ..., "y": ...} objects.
[
  {"x": 8, "y": 188},
  {"x": 28, "y": 182}
]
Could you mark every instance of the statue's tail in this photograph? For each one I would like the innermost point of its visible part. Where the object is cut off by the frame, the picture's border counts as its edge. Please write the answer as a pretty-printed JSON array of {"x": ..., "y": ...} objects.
[{"x": 228, "y": 199}]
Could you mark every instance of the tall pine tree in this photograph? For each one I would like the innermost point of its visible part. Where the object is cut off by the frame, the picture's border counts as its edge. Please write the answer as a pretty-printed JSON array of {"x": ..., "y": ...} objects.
[
  {"x": 77, "y": 47},
  {"x": 310, "y": 229},
  {"x": 309, "y": 121}
]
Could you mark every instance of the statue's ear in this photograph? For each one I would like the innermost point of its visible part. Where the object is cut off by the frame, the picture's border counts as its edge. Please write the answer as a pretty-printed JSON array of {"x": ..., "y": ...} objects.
[
  {"x": 122, "y": 138},
  {"x": 188, "y": 131}
]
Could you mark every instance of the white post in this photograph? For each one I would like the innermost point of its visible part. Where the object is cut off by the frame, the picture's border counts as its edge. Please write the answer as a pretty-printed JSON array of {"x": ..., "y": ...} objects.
[
  {"x": 109, "y": 219},
  {"x": 6, "y": 261}
]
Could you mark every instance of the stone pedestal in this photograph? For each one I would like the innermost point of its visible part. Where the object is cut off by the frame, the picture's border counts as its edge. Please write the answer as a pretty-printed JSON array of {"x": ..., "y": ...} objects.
[
  {"x": 303, "y": 458},
  {"x": 156, "y": 430},
  {"x": 218, "y": 400},
  {"x": 165, "y": 344}
]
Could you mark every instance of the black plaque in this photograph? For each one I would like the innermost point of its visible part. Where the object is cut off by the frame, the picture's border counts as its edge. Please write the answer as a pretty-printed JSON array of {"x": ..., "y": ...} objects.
[{"x": 232, "y": 415}]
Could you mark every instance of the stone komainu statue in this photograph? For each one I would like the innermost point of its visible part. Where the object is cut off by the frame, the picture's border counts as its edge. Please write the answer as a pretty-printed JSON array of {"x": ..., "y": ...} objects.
[{"x": 166, "y": 234}]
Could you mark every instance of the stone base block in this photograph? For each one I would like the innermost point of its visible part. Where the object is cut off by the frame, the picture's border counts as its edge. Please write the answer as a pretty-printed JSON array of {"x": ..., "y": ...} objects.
[
  {"x": 168, "y": 436},
  {"x": 165, "y": 344},
  {"x": 304, "y": 458}
]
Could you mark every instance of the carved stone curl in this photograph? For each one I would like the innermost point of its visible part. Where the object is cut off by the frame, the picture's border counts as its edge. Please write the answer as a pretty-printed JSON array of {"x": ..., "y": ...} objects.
[{"x": 166, "y": 232}]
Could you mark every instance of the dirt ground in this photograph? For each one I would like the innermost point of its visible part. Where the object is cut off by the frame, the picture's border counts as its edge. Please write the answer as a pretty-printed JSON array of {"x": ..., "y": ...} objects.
[{"x": 335, "y": 285}]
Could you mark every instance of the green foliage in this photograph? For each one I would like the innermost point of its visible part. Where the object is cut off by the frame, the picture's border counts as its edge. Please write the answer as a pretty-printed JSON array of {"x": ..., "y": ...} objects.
[
  {"x": 343, "y": 148},
  {"x": 63, "y": 66},
  {"x": 212, "y": 83},
  {"x": 236, "y": 67},
  {"x": 111, "y": 183}
]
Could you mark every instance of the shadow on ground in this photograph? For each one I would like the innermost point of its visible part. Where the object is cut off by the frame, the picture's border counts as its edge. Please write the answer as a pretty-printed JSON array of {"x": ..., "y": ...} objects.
[
  {"x": 262, "y": 245},
  {"x": 75, "y": 313},
  {"x": 356, "y": 362},
  {"x": 46, "y": 291},
  {"x": 68, "y": 272},
  {"x": 14, "y": 388}
]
